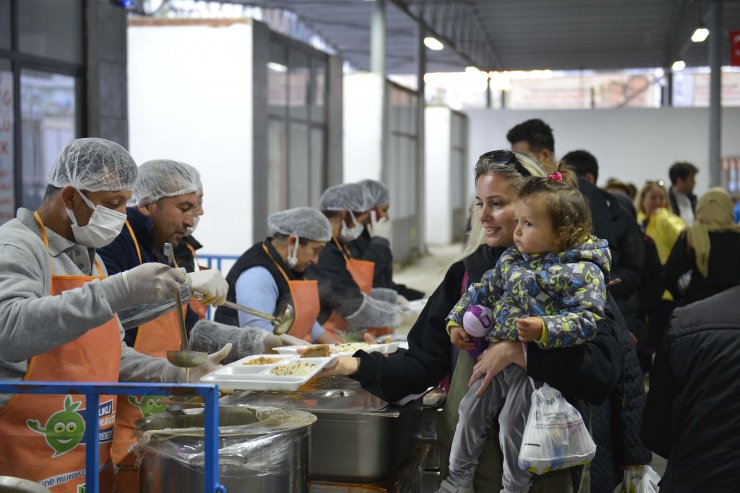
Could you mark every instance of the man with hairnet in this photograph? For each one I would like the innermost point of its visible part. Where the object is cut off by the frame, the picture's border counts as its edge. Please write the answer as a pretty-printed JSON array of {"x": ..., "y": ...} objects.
[
  {"x": 374, "y": 242},
  {"x": 346, "y": 283},
  {"x": 161, "y": 208},
  {"x": 58, "y": 314},
  {"x": 272, "y": 273}
]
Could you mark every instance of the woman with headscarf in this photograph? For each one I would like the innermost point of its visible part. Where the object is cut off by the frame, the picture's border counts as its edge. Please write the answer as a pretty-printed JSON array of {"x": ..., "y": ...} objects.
[{"x": 706, "y": 257}]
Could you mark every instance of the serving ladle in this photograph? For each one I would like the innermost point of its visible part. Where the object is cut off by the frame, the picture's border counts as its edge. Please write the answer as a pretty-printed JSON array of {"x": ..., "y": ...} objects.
[
  {"x": 281, "y": 323},
  {"x": 184, "y": 358}
]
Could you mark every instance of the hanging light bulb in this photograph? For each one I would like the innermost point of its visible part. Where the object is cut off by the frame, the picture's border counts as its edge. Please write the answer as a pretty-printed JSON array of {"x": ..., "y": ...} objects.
[{"x": 678, "y": 65}]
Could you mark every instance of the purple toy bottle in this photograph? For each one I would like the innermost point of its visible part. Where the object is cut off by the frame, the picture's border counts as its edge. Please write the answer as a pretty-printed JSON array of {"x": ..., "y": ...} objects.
[{"x": 477, "y": 322}]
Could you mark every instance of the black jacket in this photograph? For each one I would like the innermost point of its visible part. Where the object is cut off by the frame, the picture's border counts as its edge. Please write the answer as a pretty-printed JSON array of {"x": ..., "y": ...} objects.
[
  {"x": 256, "y": 257},
  {"x": 378, "y": 250},
  {"x": 616, "y": 423},
  {"x": 587, "y": 371},
  {"x": 723, "y": 272},
  {"x": 692, "y": 416}
]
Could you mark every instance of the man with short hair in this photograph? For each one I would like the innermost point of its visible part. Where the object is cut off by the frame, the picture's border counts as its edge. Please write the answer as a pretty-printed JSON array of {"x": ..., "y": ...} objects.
[
  {"x": 162, "y": 207},
  {"x": 680, "y": 195},
  {"x": 58, "y": 314}
]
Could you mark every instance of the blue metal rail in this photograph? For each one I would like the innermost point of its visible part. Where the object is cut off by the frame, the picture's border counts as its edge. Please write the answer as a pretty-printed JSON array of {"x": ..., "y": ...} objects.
[{"x": 92, "y": 392}]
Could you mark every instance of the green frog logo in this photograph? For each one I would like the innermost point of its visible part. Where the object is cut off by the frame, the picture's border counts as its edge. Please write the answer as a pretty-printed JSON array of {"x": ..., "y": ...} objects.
[
  {"x": 63, "y": 430},
  {"x": 148, "y": 405}
]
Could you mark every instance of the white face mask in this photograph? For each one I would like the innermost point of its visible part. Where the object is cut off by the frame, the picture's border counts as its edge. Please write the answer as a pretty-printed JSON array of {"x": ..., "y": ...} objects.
[
  {"x": 189, "y": 230},
  {"x": 350, "y": 234},
  {"x": 292, "y": 260},
  {"x": 104, "y": 225}
]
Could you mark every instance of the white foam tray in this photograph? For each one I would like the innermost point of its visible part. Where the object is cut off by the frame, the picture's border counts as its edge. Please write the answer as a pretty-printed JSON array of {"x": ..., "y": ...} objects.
[
  {"x": 382, "y": 348},
  {"x": 238, "y": 375}
]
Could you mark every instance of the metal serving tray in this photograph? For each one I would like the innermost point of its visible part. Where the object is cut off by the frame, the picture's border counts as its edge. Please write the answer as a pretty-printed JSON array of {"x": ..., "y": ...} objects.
[{"x": 357, "y": 437}]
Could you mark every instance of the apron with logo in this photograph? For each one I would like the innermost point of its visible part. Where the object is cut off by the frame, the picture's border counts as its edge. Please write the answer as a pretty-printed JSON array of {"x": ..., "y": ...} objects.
[
  {"x": 305, "y": 296},
  {"x": 362, "y": 273},
  {"x": 153, "y": 338},
  {"x": 42, "y": 437}
]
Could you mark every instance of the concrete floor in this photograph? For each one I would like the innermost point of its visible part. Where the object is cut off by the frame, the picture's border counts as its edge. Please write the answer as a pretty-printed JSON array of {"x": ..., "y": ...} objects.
[{"x": 428, "y": 271}]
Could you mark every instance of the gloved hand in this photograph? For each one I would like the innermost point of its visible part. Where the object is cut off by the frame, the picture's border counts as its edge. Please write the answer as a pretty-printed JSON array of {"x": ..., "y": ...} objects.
[
  {"x": 211, "y": 284},
  {"x": 380, "y": 227},
  {"x": 152, "y": 283},
  {"x": 211, "y": 364}
]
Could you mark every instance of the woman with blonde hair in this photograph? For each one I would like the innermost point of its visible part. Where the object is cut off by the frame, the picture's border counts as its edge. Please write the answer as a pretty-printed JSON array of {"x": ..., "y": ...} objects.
[{"x": 708, "y": 251}]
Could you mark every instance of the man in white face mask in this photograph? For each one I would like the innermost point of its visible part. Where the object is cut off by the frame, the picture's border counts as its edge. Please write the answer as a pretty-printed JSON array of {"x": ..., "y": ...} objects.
[
  {"x": 345, "y": 283},
  {"x": 58, "y": 308}
]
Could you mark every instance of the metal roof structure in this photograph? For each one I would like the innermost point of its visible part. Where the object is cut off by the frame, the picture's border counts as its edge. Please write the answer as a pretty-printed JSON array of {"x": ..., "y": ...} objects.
[{"x": 520, "y": 34}]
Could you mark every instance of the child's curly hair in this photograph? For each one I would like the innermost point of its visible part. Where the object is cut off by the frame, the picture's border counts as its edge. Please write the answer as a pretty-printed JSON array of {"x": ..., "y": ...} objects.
[{"x": 568, "y": 210}]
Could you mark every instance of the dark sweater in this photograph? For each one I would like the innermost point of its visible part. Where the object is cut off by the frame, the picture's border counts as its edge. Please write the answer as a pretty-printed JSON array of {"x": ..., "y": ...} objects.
[{"x": 121, "y": 255}]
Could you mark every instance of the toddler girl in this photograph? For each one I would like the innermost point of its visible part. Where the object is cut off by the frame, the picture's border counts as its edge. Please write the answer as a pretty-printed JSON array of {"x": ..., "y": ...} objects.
[{"x": 548, "y": 289}]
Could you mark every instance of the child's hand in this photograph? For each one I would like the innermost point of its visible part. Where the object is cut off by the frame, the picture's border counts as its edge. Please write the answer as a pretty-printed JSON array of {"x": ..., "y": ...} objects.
[
  {"x": 529, "y": 328},
  {"x": 460, "y": 338}
]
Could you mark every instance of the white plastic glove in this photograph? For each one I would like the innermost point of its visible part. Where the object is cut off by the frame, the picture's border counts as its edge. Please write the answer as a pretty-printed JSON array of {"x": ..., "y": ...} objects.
[
  {"x": 152, "y": 283},
  {"x": 380, "y": 227},
  {"x": 211, "y": 364},
  {"x": 211, "y": 284}
]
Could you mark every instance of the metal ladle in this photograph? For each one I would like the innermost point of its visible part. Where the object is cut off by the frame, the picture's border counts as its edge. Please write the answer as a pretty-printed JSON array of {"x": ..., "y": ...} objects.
[
  {"x": 184, "y": 358},
  {"x": 281, "y": 323}
]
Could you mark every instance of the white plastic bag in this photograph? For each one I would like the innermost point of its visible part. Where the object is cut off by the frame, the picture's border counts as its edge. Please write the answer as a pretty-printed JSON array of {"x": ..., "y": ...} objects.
[
  {"x": 642, "y": 479},
  {"x": 555, "y": 436}
]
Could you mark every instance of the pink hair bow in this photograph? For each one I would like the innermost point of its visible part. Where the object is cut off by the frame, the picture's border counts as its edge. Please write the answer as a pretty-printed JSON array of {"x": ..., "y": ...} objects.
[{"x": 555, "y": 176}]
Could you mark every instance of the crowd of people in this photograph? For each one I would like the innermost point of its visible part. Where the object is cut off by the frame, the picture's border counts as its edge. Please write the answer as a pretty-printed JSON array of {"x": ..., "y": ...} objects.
[{"x": 581, "y": 286}]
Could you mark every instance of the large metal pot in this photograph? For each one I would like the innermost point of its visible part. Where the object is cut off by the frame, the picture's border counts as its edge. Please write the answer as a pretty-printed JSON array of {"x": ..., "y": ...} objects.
[
  {"x": 10, "y": 484},
  {"x": 358, "y": 437},
  {"x": 260, "y": 449}
]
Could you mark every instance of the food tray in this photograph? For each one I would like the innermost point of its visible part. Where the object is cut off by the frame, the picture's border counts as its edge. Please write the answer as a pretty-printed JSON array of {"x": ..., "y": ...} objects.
[
  {"x": 336, "y": 349},
  {"x": 244, "y": 376}
]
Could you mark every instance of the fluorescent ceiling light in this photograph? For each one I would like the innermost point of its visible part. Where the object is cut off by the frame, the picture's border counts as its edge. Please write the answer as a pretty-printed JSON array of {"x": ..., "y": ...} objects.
[
  {"x": 277, "y": 67},
  {"x": 472, "y": 69},
  {"x": 700, "y": 35},
  {"x": 678, "y": 65},
  {"x": 433, "y": 44}
]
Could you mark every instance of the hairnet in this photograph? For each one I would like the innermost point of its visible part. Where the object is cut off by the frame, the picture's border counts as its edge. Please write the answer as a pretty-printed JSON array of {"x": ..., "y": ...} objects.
[
  {"x": 94, "y": 165},
  {"x": 305, "y": 222},
  {"x": 161, "y": 178},
  {"x": 379, "y": 192},
  {"x": 347, "y": 197}
]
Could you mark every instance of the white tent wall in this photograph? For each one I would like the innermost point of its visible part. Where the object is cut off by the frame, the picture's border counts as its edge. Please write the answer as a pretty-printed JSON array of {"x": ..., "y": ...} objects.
[
  {"x": 190, "y": 99},
  {"x": 631, "y": 144}
]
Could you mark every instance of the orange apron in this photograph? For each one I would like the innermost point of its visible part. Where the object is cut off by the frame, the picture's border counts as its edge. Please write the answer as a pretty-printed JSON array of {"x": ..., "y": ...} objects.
[
  {"x": 305, "y": 296},
  {"x": 362, "y": 273},
  {"x": 42, "y": 436},
  {"x": 195, "y": 304},
  {"x": 153, "y": 338}
]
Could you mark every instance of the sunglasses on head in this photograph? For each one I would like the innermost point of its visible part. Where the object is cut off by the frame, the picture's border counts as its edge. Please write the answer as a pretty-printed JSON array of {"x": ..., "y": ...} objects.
[
  {"x": 660, "y": 183},
  {"x": 506, "y": 157}
]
